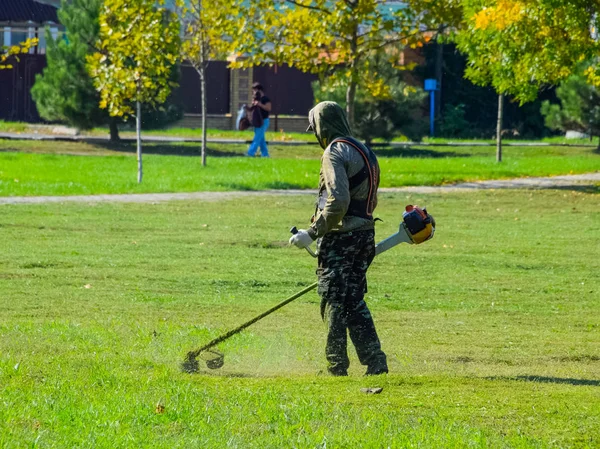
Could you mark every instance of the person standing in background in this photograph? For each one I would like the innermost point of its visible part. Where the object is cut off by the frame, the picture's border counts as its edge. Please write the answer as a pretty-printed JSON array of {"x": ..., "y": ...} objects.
[{"x": 263, "y": 103}]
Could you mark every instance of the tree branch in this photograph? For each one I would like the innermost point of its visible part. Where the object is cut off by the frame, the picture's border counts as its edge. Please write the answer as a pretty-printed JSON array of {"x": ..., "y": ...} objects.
[{"x": 315, "y": 8}]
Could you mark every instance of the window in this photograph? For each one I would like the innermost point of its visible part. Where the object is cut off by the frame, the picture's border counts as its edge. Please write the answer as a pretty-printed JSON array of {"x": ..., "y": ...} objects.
[
  {"x": 6, "y": 37},
  {"x": 41, "y": 46},
  {"x": 18, "y": 35}
]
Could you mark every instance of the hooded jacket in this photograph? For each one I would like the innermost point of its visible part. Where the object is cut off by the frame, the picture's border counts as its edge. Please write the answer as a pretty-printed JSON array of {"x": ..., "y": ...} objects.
[{"x": 339, "y": 163}]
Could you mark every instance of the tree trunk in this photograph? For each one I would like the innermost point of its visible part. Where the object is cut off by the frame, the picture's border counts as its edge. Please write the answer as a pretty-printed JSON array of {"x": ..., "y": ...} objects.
[
  {"x": 138, "y": 128},
  {"x": 350, "y": 98},
  {"x": 202, "y": 73},
  {"x": 499, "y": 128},
  {"x": 439, "y": 69},
  {"x": 201, "y": 69},
  {"x": 351, "y": 90},
  {"x": 114, "y": 130}
]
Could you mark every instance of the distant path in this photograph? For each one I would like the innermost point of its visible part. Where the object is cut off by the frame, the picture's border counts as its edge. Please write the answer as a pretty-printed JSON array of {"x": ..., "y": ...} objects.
[{"x": 566, "y": 181}]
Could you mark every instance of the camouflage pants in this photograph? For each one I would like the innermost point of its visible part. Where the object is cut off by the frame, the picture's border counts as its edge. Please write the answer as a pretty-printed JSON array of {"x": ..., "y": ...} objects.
[{"x": 343, "y": 262}]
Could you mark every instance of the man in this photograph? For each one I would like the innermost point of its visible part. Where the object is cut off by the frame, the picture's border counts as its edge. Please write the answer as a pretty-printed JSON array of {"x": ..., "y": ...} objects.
[
  {"x": 263, "y": 103},
  {"x": 343, "y": 224}
]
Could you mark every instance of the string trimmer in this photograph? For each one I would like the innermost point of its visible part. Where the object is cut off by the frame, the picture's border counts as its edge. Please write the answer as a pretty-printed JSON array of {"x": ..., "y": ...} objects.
[{"x": 417, "y": 226}]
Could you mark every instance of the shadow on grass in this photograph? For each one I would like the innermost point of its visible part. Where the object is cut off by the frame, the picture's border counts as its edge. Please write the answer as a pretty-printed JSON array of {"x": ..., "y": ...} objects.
[
  {"x": 236, "y": 186},
  {"x": 193, "y": 149},
  {"x": 409, "y": 152},
  {"x": 218, "y": 373},
  {"x": 167, "y": 149},
  {"x": 270, "y": 186},
  {"x": 579, "y": 188},
  {"x": 280, "y": 185},
  {"x": 551, "y": 380},
  {"x": 269, "y": 245}
]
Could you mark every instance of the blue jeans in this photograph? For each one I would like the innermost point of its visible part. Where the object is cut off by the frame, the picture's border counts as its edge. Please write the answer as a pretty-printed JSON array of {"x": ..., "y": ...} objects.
[{"x": 259, "y": 140}]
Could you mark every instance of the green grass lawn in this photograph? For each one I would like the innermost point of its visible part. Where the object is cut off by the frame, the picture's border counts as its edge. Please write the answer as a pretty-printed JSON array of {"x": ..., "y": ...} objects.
[
  {"x": 492, "y": 329},
  {"x": 65, "y": 168},
  {"x": 13, "y": 127}
]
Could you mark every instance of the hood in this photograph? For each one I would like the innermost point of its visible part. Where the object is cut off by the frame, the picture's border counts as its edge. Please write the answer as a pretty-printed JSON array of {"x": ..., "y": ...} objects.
[{"x": 328, "y": 121}]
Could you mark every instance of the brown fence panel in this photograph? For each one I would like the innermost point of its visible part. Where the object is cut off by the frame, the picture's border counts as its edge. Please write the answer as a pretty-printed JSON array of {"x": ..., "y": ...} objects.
[
  {"x": 16, "y": 103},
  {"x": 288, "y": 88},
  {"x": 217, "y": 86}
]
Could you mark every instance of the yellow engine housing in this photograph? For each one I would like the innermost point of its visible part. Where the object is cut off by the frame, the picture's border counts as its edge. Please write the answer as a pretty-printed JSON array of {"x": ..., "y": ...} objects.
[
  {"x": 420, "y": 226},
  {"x": 423, "y": 235}
]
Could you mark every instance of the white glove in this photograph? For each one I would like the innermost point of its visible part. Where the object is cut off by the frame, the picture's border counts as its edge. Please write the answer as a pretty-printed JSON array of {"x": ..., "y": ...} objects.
[{"x": 301, "y": 239}]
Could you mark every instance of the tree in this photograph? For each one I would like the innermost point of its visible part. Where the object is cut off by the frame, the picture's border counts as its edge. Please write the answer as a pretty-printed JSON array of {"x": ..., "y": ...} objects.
[
  {"x": 466, "y": 111},
  {"x": 65, "y": 91},
  {"x": 212, "y": 30},
  {"x": 9, "y": 53},
  {"x": 445, "y": 17},
  {"x": 395, "y": 111},
  {"x": 138, "y": 47},
  {"x": 519, "y": 46},
  {"x": 335, "y": 39},
  {"x": 579, "y": 108}
]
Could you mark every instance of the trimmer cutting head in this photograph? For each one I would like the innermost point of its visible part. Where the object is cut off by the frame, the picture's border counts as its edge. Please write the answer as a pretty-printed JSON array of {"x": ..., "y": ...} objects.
[{"x": 213, "y": 359}]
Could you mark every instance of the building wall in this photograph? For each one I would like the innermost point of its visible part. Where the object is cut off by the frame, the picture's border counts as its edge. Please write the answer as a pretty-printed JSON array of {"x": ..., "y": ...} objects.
[
  {"x": 288, "y": 89},
  {"x": 16, "y": 103},
  {"x": 188, "y": 94},
  {"x": 218, "y": 121},
  {"x": 287, "y": 124}
]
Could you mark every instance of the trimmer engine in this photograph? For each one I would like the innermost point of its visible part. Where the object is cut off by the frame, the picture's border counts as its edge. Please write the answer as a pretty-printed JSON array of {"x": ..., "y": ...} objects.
[{"x": 419, "y": 224}]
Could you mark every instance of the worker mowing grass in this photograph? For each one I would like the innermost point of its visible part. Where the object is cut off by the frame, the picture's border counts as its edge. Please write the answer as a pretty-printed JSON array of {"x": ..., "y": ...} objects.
[{"x": 343, "y": 226}]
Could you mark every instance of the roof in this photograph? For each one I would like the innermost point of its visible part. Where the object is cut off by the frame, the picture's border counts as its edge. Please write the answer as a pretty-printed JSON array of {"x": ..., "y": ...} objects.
[{"x": 27, "y": 11}]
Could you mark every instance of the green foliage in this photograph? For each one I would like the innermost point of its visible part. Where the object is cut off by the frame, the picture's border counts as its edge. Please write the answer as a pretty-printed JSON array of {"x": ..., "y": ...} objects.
[
  {"x": 478, "y": 102},
  {"x": 215, "y": 29},
  {"x": 579, "y": 108},
  {"x": 336, "y": 39},
  {"x": 454, "y": 123},
  {"x": 9, "y": 53},
  {"x": 444, "y": 16},
  {"x": 158, "y": 118},
  {"x": 398, "y": 112},
  {"x": 519, "y": 46},
  {"x": 65, "y": 91},
  {"x": 138, "y": 48}
]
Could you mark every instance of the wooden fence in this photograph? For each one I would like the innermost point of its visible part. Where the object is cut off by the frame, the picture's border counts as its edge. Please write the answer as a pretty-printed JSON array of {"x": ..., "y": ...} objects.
[{"x": 289, "y": 89}]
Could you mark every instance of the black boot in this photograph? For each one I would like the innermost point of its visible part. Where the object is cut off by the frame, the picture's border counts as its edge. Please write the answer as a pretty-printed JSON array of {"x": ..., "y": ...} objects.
[{"x": 376, "y": 370}]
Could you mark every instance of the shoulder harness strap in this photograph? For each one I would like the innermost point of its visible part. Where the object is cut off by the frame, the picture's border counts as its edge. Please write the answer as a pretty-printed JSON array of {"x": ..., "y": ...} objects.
[{"x": 363, "y": 208}]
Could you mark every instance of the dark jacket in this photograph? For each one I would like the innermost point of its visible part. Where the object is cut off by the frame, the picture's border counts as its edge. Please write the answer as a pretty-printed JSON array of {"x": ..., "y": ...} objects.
[{"x": 339, "y": 163}]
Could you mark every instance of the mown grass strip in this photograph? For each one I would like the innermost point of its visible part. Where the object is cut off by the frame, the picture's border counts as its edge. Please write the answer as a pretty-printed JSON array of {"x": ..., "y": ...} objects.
[
  {"x": 491, "y": 328},
  {"x": 51, "y": 168}
]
